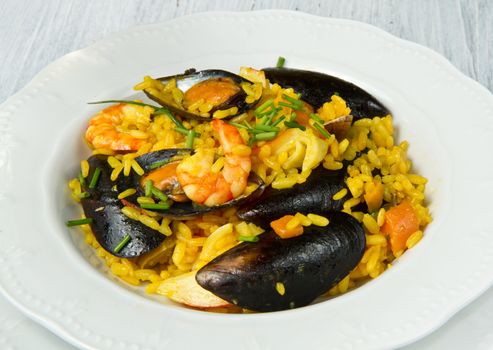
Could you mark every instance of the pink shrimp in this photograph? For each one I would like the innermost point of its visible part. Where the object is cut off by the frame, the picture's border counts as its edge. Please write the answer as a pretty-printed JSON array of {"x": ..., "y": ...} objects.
[
  {"x": 103, "y": 131},
  {"x": 202, "y": 184}
]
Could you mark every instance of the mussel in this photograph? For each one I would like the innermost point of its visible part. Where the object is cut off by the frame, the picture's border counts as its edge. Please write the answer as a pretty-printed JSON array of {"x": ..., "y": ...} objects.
[
  {"x": 110, "y": 225},
  {"x": 312, "y": 196},
  {"x": 317, "y": 88},
  {"x": 187, "y": 209},
  {"x": 221, "y": 89},
  {"x": 277, "y": 274}
]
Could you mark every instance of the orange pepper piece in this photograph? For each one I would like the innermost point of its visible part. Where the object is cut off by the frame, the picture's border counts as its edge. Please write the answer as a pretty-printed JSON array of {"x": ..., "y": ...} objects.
[
  {"x": 401, "y": 222},
  {"x": 279, "y": 227}
]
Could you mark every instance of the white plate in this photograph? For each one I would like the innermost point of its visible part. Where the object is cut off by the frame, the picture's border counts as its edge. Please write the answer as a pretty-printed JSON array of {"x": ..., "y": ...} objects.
[{"x": 448, "y": 119}]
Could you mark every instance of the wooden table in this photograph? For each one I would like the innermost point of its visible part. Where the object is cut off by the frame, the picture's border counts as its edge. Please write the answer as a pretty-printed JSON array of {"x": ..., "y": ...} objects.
[{"x": 33, "y": 33}]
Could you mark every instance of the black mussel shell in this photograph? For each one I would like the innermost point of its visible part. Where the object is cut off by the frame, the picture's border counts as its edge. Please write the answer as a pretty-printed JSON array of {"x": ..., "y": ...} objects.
[
  {"x": 110, "y": 226},
  {"x": 312, "y": 196},
  {"x": 249, "y": 275},
  {"x": 191, "y": 77},
  {"x": 153, "y": 160},
  {"x": 105, "y": 190},
  {"x": 190, "y": 209},
  {"x": 317, "y": 88}
]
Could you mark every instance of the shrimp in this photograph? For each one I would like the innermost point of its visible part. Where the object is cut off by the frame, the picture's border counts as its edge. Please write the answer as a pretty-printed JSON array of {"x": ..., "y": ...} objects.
[
  {"x": 110, "y": 128},
  {"x": 202, "y": 183}
]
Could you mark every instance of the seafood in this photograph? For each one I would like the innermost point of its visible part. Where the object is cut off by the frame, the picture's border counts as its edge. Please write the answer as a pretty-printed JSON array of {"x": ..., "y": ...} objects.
[
  {"x": 277, "y": 274},
  {"x": 303, "y": 193},
  {"x": 316, "y": 88},
  {"x": 313, "y": 196},
  {"x": 103, "y": 130},
  {"x": 198, "y": 95},
  {"x": 205, "y": 186},
  {"x": 166, "y": 178},
  {"x": 109, "y": 224}
]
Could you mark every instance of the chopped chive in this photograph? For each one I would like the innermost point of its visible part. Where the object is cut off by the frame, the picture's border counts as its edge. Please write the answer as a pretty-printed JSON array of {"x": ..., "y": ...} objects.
[
  {"x": 241, "y": 126},
  {"x": 158, "y": 194},
  {"x": 248, "y": 238},
  {"x": 167, "y": 112},
  {"x": 148, "y": 188},
  {"x": 295, "y": 125},
  {"x": 185, "y": 131},
  {"x": 268, "y": 120},
  {"x": 122, "y": 243},
  {"x": 292, "y": 106},
  {"x": 79, "y": 222},
  {"x": 321, "y": 129},
  {"x": 266, "y": 128},
  {"x": 292, "y": 100},
  {"x": 316, "y": 118},
  {"x": 156, "y": 165},
  {"x": 264, "y": 106},
  {"x": 182, "y": 130},
  {"x": 255, "y": 131},
  {"x": 247, "y": 125},
  {"x": 278, "y": 121},
  {"x": 82, "y": 180},
  {"x": 130, "y": 102},
  {"x": 280, "y": 62},
  {"x": 190, "y": 138},
  {"x": 155, "y": 206},
  {"x": 95, "y": 178},
  {"x": 84, "y": 195},
  {"x": 265, "y": 136}
]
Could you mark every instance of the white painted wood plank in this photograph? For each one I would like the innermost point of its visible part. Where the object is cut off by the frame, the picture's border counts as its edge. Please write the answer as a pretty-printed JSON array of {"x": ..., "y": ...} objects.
[{"x": 35, "y": 32}]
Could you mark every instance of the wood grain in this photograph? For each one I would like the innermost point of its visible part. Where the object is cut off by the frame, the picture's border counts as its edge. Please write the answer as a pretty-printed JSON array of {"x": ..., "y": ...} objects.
[{"x": 33, "y": 33}]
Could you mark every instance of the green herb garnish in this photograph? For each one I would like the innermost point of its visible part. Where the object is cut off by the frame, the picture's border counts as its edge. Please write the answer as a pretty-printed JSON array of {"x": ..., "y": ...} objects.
[
  {"x": 292, "y": 106},
  {"x": 321, "y": 129},
  {"x": 155, "y": 206},
  {"x": 84, "y": 195},
  {"x": 294, "y": 125},
  {"x": 79, "y": 222},
  {"x": 82, "y": 181},
  {"x": 262, "y": 127},
  {"x": 190, "y": 137},
  {"x": 280, "y": 62},
  {"x": 241, "y": 126},
  {"x": 248, "y": 238},
  {"x": 156, "y": 165},
  {"x": 316, "y": 118},
  {"x": 122, "y": 243},
  {"x": 95, "y": 178},
  {"x": 148, "y": 188},
  {"x": 158, "y": 194},
  {"x": 265, "y": 136}
]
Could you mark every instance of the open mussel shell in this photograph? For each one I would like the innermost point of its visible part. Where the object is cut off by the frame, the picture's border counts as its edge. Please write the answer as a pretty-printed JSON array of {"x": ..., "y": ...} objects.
[
  {"x": 110, "y": 226},
  {"x": 189, "y": 209},
  {"x": 278, "y": 274},
  {"x": 191, "y": 78},
  {"x": 312, "y": 196},
  {"x": 153, "y": 160},
  {"x": 339, "y": 126},
  {"x": 317, "y": 88}
]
